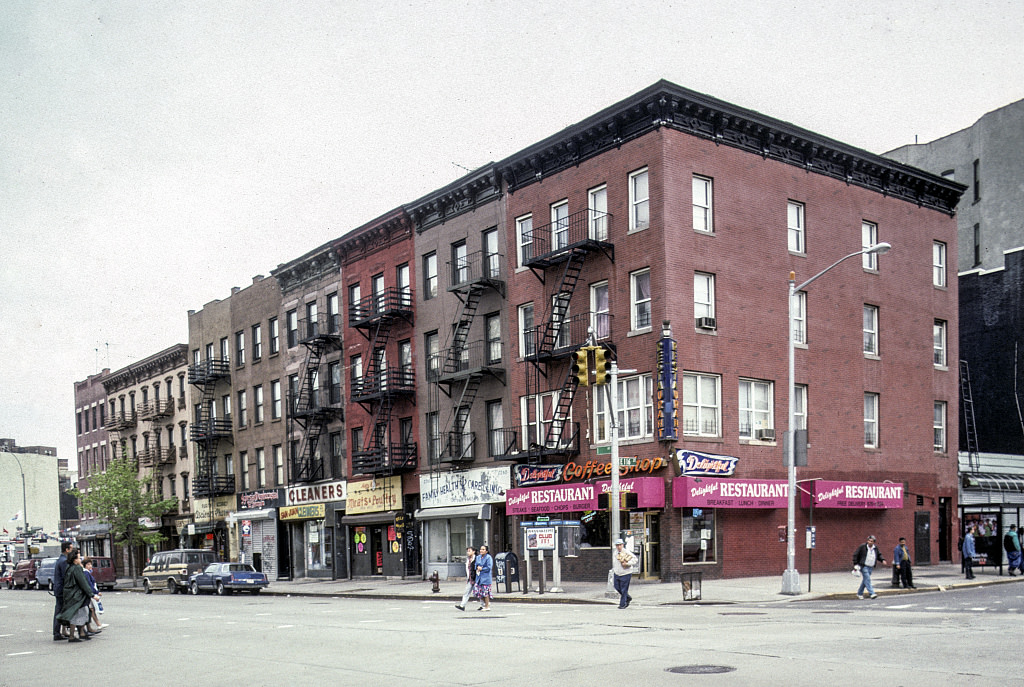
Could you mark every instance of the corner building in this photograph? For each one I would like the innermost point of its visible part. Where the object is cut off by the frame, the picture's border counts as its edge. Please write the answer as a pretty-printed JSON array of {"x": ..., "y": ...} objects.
[{"x": 666, "y": 228}]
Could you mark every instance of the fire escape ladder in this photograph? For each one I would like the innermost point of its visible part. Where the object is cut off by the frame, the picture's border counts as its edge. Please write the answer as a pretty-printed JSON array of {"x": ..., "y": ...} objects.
[
  {"x": 561, "y": 299},
  {"x": 970, "y": 429},
  {"x": 460, "y": 335},
  {"x": 556, "y": 430}
]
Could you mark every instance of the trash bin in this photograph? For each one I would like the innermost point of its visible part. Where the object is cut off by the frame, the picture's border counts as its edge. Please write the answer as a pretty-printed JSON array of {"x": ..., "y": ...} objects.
[
  {"x": 506, "y": 571},
  {"x": 691, "y": 586}
]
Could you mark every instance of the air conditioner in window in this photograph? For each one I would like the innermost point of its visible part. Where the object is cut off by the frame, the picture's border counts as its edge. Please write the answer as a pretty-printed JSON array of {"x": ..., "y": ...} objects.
[
  {"x": 706, "y": 323},
  {"x": 765, "y": 435}
]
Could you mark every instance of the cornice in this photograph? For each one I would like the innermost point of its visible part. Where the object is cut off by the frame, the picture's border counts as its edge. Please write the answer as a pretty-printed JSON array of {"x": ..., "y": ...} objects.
[
  {"x": 667, "y": 105},
  {"x": 374, "y": 236},
  {"x": 136, "y": 373},
  {"x": 466, "y": 194},
  {"x": 311, "y": 267}
]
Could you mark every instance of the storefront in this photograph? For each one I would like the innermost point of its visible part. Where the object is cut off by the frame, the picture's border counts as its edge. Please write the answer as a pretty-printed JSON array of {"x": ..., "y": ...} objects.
[
  {"x": 209, "y": 527},
  {"x": 459, "y": 509},
  {"x": 373, "y": 520},
  {"x": 307, "y": 519},
  {"x": 253, "y": 529},
  {"x": 94, "y": 539},
  {"x": 991, "y": 499}
]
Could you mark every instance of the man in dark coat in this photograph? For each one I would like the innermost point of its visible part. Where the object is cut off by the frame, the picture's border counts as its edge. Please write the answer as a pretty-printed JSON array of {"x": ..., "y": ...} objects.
[{"x": 59, "y": 571}]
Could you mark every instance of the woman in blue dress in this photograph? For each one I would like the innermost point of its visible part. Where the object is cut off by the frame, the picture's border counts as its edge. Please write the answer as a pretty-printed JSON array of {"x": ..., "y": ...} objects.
[{"x": 482, "y": 590}]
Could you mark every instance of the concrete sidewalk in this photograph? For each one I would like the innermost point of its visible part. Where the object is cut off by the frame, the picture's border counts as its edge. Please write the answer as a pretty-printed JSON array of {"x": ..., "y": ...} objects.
[{"x": 830, "y": 585}]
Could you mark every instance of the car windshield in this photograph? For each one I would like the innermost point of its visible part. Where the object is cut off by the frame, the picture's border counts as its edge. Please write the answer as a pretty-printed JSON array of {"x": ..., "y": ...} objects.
[{"x": 212, "y": 568}]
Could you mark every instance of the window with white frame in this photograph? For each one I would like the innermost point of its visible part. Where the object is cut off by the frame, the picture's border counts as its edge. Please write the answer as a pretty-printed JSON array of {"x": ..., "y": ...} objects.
[
  {"x": 939, "y": 343},
  {"x": 755, "y": 408},
  {"x": 640, "y": 299},
  {"x": 635, "y": 403},
  {"x": 799, "y": 406},
  {"x": 870, "y": 329},
  {"x": 261, "y": 468},
  {"x": 702, "y": 404},
  {"x": 527, "y": 330},
  {"x": 939, "y": 264},
  {"x": 599, "y": 309},
  {"x": 492, "y": 330},
  {"x": 560, "y": 225},
  {"x": 702, "y": 217},
  {"x": 257, "y": 395},
  {"x": 800, "y": 317},
  {"x": 939, "y": 427},
  {"x": 870, "y": 420},
  {"x": 433, "y": 437},
  {"x": 703, "y": 295},
  {"x": 639, "y": 201},
  {"x": 243, "y": 410},
  {"x": 429, "y": 276},
  {"x": 278, "y": 465},
  {"x": 562, "y": 323},
  {"x": 257, "y": 342},
  {"x": 239, "y": 348},
  {"x": 869, "y": 237},
  {"x": 795, "y": 222},
  {"x": 524, "y": 238},
  {"x": 597, "y": 205},
  {"x": 536, "y": 414},
  {"x": 275, "y": 399}
]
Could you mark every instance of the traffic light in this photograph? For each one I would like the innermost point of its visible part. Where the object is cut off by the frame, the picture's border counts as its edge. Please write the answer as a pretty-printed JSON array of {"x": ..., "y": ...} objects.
[
  {"x": 602, "y": 365},
  {"x": 580, "y": 369}
]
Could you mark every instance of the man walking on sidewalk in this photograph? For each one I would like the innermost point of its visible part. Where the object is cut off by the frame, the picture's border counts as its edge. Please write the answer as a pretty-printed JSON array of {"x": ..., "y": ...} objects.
[
  {"x": 623, "y": 567},
  {"x": 865, "y": 559},
  {"x": 1011, "y": 542},
  {"x": 969, "y": 553}
]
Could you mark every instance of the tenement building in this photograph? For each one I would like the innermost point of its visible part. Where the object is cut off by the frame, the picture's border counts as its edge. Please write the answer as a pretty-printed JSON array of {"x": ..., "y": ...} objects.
[{"x": 93, "y": 455}]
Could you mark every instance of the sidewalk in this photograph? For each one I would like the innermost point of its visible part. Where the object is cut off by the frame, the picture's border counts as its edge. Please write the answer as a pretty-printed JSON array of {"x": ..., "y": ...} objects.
[{"x": 830, "y": 585}]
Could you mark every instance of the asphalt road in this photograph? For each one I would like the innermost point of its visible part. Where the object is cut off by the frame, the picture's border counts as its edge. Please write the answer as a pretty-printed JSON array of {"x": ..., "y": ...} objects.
[{"x": 959, "y": 638}]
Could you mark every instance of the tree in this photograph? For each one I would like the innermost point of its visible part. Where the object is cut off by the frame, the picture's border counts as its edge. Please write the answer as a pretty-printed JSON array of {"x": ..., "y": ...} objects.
[{"x": 120, "y": 499}]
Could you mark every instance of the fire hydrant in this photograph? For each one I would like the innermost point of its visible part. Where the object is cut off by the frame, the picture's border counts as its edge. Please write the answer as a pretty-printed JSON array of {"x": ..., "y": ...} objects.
[{"x": 435, "y": 580}]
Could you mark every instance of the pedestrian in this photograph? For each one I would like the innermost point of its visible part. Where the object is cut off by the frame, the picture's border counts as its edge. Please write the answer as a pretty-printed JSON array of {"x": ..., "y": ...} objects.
[
  {"x": 968, "y": 552},
  {"x": 482, "y": 588},
  {"x": 59, "y": 570},
  {"x": 865, "y": 559},
  {"x": 95, "y": 605},
  {"x": 623, "y": 567},
  {"x": 470, "y": 577},
  {"x": 76, "y": 597},
  {"x": 1011, "y": 542},
  {"x": 901, "y": 561}
]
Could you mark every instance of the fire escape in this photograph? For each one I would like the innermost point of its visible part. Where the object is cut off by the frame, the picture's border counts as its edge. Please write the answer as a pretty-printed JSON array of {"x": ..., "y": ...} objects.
[
  {"x": 313, "y": 408},
  {"x": 383, "y": 386},
  {"x": 208, "y": 430},
  {"x": 463, "y": 365},
  {"x": 559, "y": 251}
]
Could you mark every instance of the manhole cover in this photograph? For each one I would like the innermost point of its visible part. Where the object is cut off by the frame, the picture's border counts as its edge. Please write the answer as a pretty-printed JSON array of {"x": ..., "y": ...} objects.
[{"x": 700, "y": 670}]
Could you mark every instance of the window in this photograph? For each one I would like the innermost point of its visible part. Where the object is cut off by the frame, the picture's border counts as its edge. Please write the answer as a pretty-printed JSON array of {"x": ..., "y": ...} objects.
[
  {"x": 275, "y": 336},
  {"x": 639, "y": 208},
  {"x": 257, "y": 342},
  {"x": 257, "y": 396},
  {"x": 431, "y": 344},
  {"x": 527, "y": 330},
  {"x": 229, "y": 465},
  {"x": 597, "y": 216},
  {"x": 492, "y": 259},
  {"x": 870, "y": 329},
  {"x": 703, "y": 295},
  {"x": 225, "y": 350},
  {"x": 356, "y": 372},
  {"x": 560, "y": 225},
  {"x": 492, "y": 328},
  {"x": 599, "y": 307},
  {"x": 402, "y": 283},
  {"x": 977, "y": 245},
  {"x": 334, "y": 383},
  {"x": 634, "y": 400},
  {"x": 702, "y": 404},
  {"x": 800, "y": 406},
  {"x": 275, "y": 399},
  {"x": 496, "y": 444},
  {"x": 536, "y": 412},
  {"x": 378, "y": 290},
  {"x": 225, "y": 404},
  {"x": 800, "y": 317},
  {"x": 243, "y": 410},
  {"x": 977, "y": 180},
  {"x": 433, "y": 437},
  {"x": 795, "y": 222},
  {"x": 939, "y": 343},
  {"x": 460, "y": 263},
  {"x": 333, "y": 314},
  {"x": 869, "y": 237},
  {"x": 524, "y": 238},
  {"x": 209, "y": 351},
  {"x": 278, "y": 464},
  {"x": 405, "y": 362},
  {"x": 293, "y": 392},
  {"x": 312, "y": 321},
  {"x": 561, "y": 319},
  {"x": 939, "y": 264},
  {"x": 640, "y": 298},
  {"x": 698, "y": 535},
  {"x": 939, "y": 427},
  {"x": 755, "y": 408},
  {"x": 261, "y": 468},
  {"x": 429, "y": 276},
  {"x": 870, "y": 420},
  {"x": 337, "y": 456},
  {"x": 702, "y": 219},
  {"x": 240, "y": 348},
  {"x": 243, "y": 462},
  {"x": 292, "y": 322}
]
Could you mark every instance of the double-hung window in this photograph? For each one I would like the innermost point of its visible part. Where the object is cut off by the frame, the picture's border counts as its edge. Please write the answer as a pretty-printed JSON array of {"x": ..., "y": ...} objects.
[
  {"x": 429, "y": 276},
  {"x": 939, "y": 427},
  {"x": 275, "y": 399},
  {"x": 240, "y": 348},
  {"x": 560, "y": 225},
  {"x": 600, "y": 310},
  {"x": 639, "y": 201},
  {"x": 755, "y": 407},
  {"x": 800, "y": 317},
  {"x": 800, "y": 406},
  {"x": 702, "y": 217},
  {"x": 939, "y": 343},
  {"x": 635, "y": 404},
  {"x": 702, "y": 404},
  {"x": 257, "y": 342},
  {"x": 292, "y": 324},
  {"x": 275, "y": 336},
  {"x": 492, "y": 329},
  {"x": 869, "y": 237},
  {"x": 795, "y": 222},
  {"x": 939, "y": 264},
  {"x": 597, "y": 205},
  {"x": 870, "y": 329},
  {"x": 524, "y": 238},
  {"x": 703, "y": 295},
  {"x": 527, "y": 331},
  {"x": 257, "y": 395},
  {"x": 870, "y": 420},
  {"x": 640, "y": 299}
]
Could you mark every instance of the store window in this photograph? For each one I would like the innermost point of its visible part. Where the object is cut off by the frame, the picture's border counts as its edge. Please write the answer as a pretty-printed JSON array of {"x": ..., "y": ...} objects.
[
  {"x": 447, "y": 539},
  {"x": 318, "y": 545},
  {"x": 698, "y": 535}
]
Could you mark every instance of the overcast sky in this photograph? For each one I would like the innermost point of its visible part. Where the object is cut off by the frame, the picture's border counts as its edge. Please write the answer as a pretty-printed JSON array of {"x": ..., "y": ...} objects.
[{"x": 155, "y": 154}]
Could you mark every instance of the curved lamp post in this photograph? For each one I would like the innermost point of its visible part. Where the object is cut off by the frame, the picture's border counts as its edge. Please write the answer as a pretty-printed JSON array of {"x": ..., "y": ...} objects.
[
  {"x": 791, "y": 577},
  {"x": 24, "y": 501}
]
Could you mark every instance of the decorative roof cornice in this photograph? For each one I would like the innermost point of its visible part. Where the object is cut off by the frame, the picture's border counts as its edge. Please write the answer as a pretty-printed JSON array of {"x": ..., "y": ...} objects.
[
  {"x": 158, "y": 363},
  {"x": 666, "y": 104},
  {"x": 311, "y": 267},
  {"x": 387, "y": 230},
  {"x": 463, "y": 195}
]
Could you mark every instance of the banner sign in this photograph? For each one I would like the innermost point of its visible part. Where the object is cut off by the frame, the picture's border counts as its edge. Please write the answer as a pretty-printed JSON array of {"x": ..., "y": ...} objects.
[
  {"x": 562, "y": 498},
  {"x": 317, "y": 493},
  {"x": 374, "y": 495},
  {"x": 708, "y": 492},
  {"x": 650, "y": 491},
  {"x": 540, "y": 538},
  {"x": 311, "y": 511},
  {"x": 855, "y": 495},
  {"x": 530, "y": 475},
  {"x": 465, "y": 487},
  {"x": 258, "y": 500},
  {"x": 697, "y": 463},
  {"x": 666, "y": 420}
]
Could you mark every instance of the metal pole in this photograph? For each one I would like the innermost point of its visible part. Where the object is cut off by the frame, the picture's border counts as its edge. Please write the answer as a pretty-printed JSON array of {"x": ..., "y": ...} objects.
[
  {"x": 24, "y": 505},
  {"x": 614, "y": 424},
  {"x": 791, "y": 577}
]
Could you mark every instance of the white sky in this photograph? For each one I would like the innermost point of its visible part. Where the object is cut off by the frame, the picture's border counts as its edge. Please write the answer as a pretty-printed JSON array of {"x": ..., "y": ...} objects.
[{"x": 154, "y": 154}]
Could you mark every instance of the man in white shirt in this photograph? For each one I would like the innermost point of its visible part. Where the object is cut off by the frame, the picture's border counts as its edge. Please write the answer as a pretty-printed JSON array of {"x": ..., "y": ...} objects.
[{"x": 865, "y": 559}]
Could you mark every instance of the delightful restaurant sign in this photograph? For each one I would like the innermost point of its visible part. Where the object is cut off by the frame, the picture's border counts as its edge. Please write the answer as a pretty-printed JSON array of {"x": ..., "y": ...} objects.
[
  {"x": 710, "y": 492},
  {"x": 855, "y": 495}
]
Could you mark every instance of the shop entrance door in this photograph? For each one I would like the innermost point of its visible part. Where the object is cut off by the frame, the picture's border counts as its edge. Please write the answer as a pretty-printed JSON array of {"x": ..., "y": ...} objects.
[
  {"x": 922, "y": 537},
  {"x": 651, "y": 550},
  {"x": 377, "y": 548}
]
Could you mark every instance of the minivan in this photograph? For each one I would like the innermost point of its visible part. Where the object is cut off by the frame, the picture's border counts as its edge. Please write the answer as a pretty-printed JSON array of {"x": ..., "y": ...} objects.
[
  {"x": 103, "y": 572},
  {"x": 44, "y": 575},
  {"x": 171, "y": 569},
  {"x": 24, "y": 576}
]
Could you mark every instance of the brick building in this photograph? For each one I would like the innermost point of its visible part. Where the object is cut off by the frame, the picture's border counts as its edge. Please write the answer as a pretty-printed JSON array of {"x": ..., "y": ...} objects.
[{"x": 93, "y": 455}]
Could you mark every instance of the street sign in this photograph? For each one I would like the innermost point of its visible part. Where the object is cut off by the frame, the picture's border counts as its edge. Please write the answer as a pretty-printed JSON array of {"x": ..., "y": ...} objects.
[
  {"x": 604, "y": 450},
  {"x": 627, "y": 461}
]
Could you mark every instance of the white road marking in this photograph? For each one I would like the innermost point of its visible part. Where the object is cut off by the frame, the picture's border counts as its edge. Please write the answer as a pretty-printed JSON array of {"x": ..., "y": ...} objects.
[
  {"x": 6, "y": 635},
  {"x": 181, "y": 619},
  {"x": 284, "y": 627},
  {"x": 982, "y": 608},
  {"x": 22, "y": 653},
  {"x": 935, "y": 608},
  {"x": 902, "y": 606},
  {"x": 371, "y": 621},
  {"x": 259, "y": 614}
]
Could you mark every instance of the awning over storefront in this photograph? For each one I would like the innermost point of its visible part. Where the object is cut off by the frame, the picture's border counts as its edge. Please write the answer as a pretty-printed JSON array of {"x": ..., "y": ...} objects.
[
  {"x": 650, "y": 491},
  {"x": 712, "y": 492},
  {"x": 991, "y": 481},
  {"x": 853, "y": 495},
  {"x": 258, "y": 514},
  {"x": 369, "y": 518},
  {"x": 480, "y": 511}
]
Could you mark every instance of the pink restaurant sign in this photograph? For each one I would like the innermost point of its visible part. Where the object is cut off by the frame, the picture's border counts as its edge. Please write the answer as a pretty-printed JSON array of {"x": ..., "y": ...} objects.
[
  {"x": 854, "y": 495},
  {"x": 710, "y": 492},
  {"x": 579, "y": 496}
]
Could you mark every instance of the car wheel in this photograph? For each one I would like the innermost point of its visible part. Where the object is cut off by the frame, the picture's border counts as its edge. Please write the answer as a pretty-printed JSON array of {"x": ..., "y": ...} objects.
[
  {"x": 220, "y": 589},
  {"x": 172, "y": 587},
  {"x": 194, "y": 588},
  {"x": 50, "y": 586},
  {"x": 147, "y": 586}
]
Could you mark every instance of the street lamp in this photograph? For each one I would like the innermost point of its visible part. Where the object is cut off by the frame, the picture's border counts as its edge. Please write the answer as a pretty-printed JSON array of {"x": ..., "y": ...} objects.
[
  {"x": 24, "y": 501},
  {"x": 791, "y": 577}
]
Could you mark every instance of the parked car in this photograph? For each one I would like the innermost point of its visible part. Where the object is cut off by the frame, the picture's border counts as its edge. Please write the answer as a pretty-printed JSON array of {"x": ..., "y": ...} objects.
[
  {"x": 7, "y": 578},
  {"x": 44, "y": 575},
  {"x": 24, "y": 576},
  {"x": 103, "y": 572},
  {"x": 224, "y": 578},
  {"x": 172, "y": 569}
]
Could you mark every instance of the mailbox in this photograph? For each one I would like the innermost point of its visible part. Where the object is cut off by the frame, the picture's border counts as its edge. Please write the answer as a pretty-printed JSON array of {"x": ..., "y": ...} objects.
[{"x": 506, "y": 571}]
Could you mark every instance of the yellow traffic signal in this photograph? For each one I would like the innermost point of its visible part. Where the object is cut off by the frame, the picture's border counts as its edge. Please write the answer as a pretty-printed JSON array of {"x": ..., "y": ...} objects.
[
  {"x": 602, "y": 366},
  {"x": 580, "y": 369}
]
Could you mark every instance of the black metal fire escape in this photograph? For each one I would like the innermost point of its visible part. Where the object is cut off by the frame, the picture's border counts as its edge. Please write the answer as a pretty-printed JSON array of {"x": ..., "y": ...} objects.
[
  {"x": 383, "y": 386},
  {"x": 560, "y": 248},
  {"x": 207, "y": 430},
  {"x": 970, "y": 429},
  {"x": 313, "y": 408}
]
